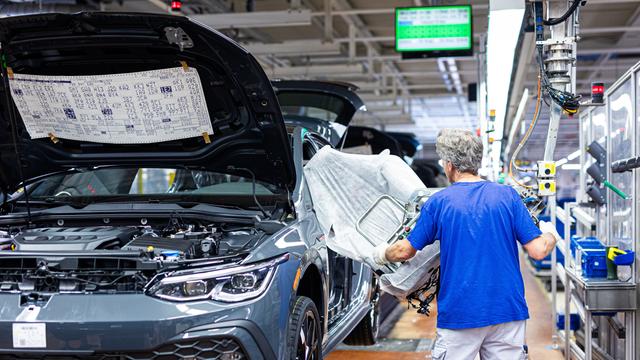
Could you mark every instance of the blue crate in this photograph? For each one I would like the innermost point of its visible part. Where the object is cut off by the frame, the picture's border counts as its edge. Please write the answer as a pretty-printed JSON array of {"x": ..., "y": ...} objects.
[
  {"x": 574, "y": 322},
  {"x": 594, "y": 263},
  {"x": 589, "y": 242}
]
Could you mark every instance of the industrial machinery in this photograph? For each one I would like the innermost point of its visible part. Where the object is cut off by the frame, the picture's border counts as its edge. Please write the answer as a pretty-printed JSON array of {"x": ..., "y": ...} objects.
[{"x": 602, "y": 293}]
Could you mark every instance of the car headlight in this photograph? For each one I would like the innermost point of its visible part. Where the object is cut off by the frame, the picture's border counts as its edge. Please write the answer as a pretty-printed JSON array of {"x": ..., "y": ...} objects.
[{"x": 238, "y": 283}]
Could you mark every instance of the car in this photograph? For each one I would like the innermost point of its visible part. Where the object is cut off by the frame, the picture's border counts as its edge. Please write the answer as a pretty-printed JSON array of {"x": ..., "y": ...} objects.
[
  {"x": 327, "y": 108},
  {"x": 324, "y": 107},
  {"x": 171, "y": 237},
  {"x": 409, "y": 143}
]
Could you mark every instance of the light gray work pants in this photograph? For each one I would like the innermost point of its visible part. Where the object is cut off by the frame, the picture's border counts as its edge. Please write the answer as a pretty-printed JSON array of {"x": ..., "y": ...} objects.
[{"x": 497, "y": 342}]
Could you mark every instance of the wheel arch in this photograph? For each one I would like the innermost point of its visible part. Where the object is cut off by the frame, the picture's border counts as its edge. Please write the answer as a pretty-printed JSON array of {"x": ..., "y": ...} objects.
[{"x": 311, "y": 285}]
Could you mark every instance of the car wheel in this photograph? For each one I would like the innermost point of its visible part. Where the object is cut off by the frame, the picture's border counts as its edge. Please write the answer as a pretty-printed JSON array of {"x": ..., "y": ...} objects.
[
  {"x": 305, "y": 334},
  {"x": 366, "y": 332}
]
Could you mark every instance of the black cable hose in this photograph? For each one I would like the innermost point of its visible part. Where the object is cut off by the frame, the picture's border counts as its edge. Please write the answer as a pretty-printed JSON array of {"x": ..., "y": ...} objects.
[{"x": 565, "y": 16}]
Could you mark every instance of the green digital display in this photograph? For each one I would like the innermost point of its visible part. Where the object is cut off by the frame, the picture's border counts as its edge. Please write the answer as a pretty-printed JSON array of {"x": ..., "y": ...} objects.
[{"x": 434, "y": 28}]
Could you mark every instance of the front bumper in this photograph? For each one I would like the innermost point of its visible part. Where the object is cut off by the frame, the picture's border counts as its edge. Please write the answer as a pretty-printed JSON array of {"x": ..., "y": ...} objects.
[
  {"x": 231, "y": 341},
  {"x": 136, "y": 326}
]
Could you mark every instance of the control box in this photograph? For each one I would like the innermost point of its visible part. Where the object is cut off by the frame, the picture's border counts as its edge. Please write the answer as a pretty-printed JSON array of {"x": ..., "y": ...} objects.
[{"x": 546, "y": 169}]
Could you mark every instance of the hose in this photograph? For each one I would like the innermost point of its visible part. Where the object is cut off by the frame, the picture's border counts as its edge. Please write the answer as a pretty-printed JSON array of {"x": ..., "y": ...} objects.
[
  {"x": 565, "y": 16},
  {"x": 526, "y": 136}
]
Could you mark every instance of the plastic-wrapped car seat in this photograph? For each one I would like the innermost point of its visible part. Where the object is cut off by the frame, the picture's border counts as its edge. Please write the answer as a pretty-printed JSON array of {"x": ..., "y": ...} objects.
[{"x": 356, "y": 199}]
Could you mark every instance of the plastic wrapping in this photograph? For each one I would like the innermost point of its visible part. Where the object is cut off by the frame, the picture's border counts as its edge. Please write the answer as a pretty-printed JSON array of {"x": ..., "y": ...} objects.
[
  {"x": 344, "y": 187},
  {"x": 414, "y": 274}
]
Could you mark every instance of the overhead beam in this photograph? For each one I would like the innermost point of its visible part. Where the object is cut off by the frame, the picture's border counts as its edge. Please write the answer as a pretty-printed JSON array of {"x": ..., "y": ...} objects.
[
  {"x": 381, "y": 11},
  {"x": 412, "y": 74},
  {"x": 480, "y": 8},
  {"x": 301, "y": 17},
  {"x": 372, "y": 98},
  {"x": 376, "y": 86},
  {"x": 390, "y": 58},
  {"x": 609, "y": 29},
  {"x": 633, "y": 50},
  {"x": 316, "y": 70},
  {"x": 294, "y": 48}
]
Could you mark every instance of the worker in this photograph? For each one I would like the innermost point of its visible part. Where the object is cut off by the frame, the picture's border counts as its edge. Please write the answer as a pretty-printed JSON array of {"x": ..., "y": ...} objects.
[{"x": 481, "y": 304}]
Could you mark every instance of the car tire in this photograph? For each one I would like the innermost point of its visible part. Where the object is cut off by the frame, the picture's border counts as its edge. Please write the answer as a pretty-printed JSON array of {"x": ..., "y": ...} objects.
[
  {"x": 305, "y": 331},
  {"x": 366, "y": 332}
]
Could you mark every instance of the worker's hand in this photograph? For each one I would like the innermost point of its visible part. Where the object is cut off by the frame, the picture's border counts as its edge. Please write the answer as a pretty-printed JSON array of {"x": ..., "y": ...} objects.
[
  {"x": 379, "y": 254},
  {"x": 547, "y": 227}
]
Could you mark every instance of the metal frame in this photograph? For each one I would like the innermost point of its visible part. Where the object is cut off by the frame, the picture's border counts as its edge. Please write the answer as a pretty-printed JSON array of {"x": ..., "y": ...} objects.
[{"x": 621, "y": 297}]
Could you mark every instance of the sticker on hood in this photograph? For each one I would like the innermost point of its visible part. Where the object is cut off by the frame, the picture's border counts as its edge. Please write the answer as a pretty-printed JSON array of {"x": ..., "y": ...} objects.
[{"x": 129, "y": 108}]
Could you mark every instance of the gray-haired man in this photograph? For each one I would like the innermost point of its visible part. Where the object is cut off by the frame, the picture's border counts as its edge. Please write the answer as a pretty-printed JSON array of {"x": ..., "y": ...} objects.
[{"x": 481, "y": 304}]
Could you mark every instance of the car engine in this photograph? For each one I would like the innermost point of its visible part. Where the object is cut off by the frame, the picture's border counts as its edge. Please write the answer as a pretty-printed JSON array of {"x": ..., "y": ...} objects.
[{"x": 112, "y": 259}]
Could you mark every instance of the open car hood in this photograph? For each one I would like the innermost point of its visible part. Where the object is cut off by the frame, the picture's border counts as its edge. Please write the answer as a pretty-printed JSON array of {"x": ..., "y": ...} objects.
[
  {"x": 323, "y": 107},
  {"x": 222, "y": 115}
]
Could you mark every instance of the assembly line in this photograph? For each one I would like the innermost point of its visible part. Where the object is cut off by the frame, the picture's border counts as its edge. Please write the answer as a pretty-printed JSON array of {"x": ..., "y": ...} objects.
[{"x": 319, "y": 179}]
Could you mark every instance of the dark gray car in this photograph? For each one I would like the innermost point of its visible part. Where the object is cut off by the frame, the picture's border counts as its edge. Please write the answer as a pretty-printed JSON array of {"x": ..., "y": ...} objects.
[{"x": 204, "y": 247}]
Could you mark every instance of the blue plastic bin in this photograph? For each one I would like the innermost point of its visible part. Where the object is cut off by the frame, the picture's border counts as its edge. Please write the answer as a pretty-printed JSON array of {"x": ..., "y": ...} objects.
[
  {"x": 625, "y": 259},
  {"x": 589, "y": 242},
  {"x": 574, "y": 322},
  {"x": 594, "y": 263}
]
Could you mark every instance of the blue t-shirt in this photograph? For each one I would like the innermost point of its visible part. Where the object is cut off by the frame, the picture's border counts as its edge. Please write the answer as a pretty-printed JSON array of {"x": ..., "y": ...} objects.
[{"x": 478, "y": 224}]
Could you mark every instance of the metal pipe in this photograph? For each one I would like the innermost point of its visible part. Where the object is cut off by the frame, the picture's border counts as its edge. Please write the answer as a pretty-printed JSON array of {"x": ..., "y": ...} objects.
[{"x": 567, "y": 280}]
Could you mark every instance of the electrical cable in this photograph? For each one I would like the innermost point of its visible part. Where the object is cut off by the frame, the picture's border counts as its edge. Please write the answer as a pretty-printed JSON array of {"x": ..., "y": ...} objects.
[
  {"x": 253, "y": 184},
  {"x": 526, "y": 136},
  {"x": 565, "y": 16},
  {"x": 569, "y": 102}
]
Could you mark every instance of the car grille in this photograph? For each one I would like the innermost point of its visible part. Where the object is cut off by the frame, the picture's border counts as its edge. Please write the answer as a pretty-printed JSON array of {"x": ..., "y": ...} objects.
[{"x": 197, "y": 349}]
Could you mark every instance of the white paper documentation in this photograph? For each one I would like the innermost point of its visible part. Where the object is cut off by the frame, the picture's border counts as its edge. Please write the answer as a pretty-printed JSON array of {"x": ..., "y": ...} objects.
[{"x": 128, "y": 108}]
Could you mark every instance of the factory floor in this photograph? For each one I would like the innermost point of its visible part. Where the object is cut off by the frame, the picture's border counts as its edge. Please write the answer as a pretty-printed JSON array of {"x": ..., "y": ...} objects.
[{"x": 412, "y": 335}]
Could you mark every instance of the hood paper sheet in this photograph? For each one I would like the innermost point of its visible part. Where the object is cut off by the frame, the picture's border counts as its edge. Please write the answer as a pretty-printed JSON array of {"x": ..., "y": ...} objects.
[{"x": 129, "y": 108}]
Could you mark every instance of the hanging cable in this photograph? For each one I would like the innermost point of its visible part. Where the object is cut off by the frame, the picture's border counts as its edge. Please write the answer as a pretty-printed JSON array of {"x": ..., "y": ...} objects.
[
  {"x": 565, "y": 16},
  {"x": 525, "y": 138}
]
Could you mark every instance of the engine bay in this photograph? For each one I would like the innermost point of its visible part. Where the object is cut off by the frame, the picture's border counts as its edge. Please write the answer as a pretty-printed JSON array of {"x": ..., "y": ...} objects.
[
  {"x": 192, "y": 242},
  {"x": 113, "y": 259}
]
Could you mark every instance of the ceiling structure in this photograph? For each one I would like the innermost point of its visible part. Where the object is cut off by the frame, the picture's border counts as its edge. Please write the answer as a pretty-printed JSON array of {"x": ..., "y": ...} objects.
[
  {"x": 357, "y": 46},
  {"x": 353, "y": 41}
]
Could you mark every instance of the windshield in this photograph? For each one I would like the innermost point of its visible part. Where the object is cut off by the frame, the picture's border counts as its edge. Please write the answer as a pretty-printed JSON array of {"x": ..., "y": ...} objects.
[
  {"x": 145, "y": 181},
  {"x": 317, "y": 106}
]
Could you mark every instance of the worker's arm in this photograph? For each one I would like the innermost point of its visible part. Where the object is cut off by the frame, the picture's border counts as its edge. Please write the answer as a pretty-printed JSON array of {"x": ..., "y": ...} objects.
[
  {"x": 424, "y": 233},
  {"x": 542, "y": 246},
  {"x": 400, "y": 251}
]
